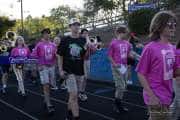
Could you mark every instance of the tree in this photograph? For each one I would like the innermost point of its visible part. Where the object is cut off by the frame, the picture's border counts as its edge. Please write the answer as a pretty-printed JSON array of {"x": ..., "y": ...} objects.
[
  {"x": 5, "y": 25},
  {"x": 139, "y": 21},
  {"x": 106, "y": 9},
  {"x": 61, "y": 15}
]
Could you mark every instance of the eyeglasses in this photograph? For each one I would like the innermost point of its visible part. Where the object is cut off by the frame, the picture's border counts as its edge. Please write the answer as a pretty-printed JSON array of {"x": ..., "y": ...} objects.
[{"x": 172, "y": 25}]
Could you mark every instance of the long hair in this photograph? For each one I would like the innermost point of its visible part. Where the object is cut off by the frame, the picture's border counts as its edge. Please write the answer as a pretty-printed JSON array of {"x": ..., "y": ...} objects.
[
  {"x": 159, "y": 22},
  {"x": 19, "y": 38}
]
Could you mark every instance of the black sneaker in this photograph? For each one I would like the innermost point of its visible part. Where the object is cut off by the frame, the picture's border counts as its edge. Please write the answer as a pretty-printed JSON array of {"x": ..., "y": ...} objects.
[
  {"x": 120, "y": 110},
  {"x": 119, "y": 107},
  {"x": 123, "y": 109},
  {"x": 24, "y": 95},
  {"x": 69, "y": 116}
]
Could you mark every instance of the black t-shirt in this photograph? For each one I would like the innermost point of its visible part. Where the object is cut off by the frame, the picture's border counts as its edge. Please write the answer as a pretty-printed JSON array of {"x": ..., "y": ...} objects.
[{"x": 73, "y": 51}]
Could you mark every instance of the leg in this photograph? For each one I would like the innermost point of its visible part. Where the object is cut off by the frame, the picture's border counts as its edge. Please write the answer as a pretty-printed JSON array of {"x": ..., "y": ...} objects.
[
  {"x": 44, "y": 76},
  {"x": 158, "y": 112},
  {"x": 73, "y": 96},
  {"x": 52, "y": 77},
  {"x": 120, "y": 87},
  {"x": 45, "y": 81},
  {"x": 18, "y": 74}
]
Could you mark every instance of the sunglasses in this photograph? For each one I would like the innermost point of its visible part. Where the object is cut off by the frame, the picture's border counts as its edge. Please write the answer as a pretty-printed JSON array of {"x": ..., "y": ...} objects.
[
  {"x": 76, "y": 24},
  {"x": 172, "y": 25}
]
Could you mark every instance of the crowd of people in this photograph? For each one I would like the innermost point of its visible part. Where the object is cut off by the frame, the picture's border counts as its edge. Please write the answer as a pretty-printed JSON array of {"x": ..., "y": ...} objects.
[{"x": 68, "y": 58}]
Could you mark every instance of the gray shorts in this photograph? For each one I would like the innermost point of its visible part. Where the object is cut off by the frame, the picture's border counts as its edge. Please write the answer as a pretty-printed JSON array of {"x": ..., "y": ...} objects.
[
  {"x": 47, "y": 74},
  {"x": 73, "y": 82}
]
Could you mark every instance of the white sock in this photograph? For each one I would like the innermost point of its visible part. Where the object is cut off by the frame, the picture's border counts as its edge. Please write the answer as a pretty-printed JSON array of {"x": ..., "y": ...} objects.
[
  {"x": 4, "y": 86},
  {"x": 21, "y": 86}
]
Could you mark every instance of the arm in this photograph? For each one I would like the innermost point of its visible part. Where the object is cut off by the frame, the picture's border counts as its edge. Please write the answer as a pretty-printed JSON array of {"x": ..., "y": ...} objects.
[
  {"x": 85, "y": 70},
  {"x": 133, "y": 54},
  {"x": 145, "y": 84},
  {"x": 112, "y": 61},
  {"x": 177, "y": 73}
]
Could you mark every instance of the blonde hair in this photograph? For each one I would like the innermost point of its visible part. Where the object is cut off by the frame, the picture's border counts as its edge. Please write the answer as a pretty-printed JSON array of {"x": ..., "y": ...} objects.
[{"x": 19, "y": 38}]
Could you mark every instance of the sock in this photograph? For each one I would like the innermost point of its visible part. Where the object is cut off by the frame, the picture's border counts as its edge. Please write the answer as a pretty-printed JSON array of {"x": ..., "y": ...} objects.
[
  {"x": 21, "y": 86},
  {"x": 47, "y": 99},
  {"x": 4, "y": 86}
]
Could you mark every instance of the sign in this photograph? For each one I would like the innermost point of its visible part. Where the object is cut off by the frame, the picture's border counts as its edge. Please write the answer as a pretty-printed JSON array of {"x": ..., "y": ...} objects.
[
  {"x": 17, "y": 60},
  {"x": 137, "y": 6}
]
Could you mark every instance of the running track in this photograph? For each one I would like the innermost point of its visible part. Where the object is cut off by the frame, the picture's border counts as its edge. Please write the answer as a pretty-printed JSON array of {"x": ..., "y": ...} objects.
[{"x": 98, "y": 107}]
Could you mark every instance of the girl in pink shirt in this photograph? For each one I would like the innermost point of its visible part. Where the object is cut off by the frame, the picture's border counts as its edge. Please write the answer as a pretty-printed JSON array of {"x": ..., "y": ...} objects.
[
  {"x": 156, "y": 66},
  {"x": 20, "y": 50},
  {"x": 118, "y": 52}
]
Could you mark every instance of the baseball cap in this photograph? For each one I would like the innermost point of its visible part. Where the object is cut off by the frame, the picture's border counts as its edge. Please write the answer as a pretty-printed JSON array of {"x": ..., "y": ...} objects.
[{"x": 73, "y": 21}]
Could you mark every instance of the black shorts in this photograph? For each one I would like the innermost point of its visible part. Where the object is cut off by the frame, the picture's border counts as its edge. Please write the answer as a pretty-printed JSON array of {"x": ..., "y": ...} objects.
[{"x": 5, "y": 68}]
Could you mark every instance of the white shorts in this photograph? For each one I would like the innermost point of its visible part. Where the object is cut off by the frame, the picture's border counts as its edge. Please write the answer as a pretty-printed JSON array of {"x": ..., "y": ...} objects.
[
  {"x": 47, "y": 74},
  {"x": 73, "y": 82}
]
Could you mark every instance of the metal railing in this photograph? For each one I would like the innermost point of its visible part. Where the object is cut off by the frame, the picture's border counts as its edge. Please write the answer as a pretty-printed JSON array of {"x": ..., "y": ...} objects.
[{"x": 104, "y": 22}]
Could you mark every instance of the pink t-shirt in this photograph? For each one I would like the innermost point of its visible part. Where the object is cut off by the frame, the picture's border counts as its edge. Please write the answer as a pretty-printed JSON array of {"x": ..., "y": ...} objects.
[
  {"x": 119, "y": 51},
  {"x": 157, "y": 65},
  {"x": 45, "y": 52},
  {"x": 177, "y": 58},
  {"x": 20, "y": 52}
]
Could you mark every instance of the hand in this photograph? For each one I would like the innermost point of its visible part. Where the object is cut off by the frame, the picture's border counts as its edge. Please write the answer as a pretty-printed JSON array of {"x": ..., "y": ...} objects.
[
  {"x": 85, "y": 76},
  {"x": 116, "y": 65},
  {"x": 61, "y": 73},
  {"x": 154, "y": 100}
]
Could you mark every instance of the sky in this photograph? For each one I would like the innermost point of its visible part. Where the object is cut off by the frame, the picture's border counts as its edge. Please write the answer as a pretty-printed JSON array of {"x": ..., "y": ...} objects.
[{"x": 35, "y": 8}]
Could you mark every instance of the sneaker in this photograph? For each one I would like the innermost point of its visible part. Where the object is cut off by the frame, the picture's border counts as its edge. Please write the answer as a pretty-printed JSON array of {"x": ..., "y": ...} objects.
[
  {"x": 123, "y": 110},
  {"x": 4, "y": 90},
  {"x": 50, "y": 109},
  {"x": 63, "y": 87},
  {"x": 69, "y": 116},
  {"x": 120, "y": 109},
  {"x": 83, "y": 97},
  {"x": 129, "y": 82},
  {"x": 24, "y": 94},
  {"x": 19, "y": 91},
  {"x": 54, "y": 88}
]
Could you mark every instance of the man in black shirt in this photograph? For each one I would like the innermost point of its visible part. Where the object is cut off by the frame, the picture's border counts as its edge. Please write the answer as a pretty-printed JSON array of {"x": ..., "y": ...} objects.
[{"x": 72, "y": 50}]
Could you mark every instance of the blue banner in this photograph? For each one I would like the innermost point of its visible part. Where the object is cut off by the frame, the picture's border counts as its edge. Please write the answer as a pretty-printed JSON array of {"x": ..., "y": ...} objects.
[
  {"x": 100, "y": 67},
  {"x": 17, "y": 60}
]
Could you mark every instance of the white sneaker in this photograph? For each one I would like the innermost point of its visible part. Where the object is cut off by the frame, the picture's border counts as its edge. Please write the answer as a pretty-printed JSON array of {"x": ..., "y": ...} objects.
[
  {"x": 54, "y": 88},
  {"x": 83, "y": 97},
  {"x": 129, "y": 82}
]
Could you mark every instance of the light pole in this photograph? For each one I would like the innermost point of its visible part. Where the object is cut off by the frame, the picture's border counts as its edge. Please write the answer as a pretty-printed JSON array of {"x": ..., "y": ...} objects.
[{"x": 22, "y": 23}]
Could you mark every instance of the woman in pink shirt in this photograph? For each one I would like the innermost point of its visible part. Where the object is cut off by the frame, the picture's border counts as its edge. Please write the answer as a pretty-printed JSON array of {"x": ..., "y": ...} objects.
[
  {"x": 20, "y": 50},
  {"x": 156, "y": 66}
]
